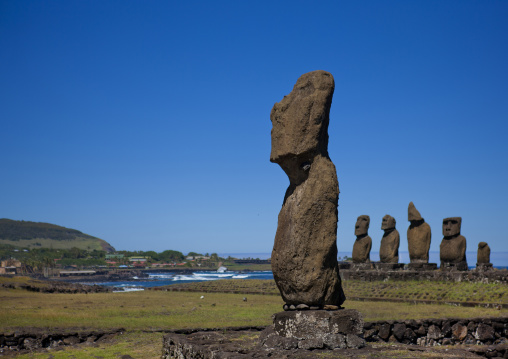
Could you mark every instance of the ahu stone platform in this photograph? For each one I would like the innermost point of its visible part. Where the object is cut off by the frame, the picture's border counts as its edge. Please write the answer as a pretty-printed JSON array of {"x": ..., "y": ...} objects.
[{"x": 371, "y": 273}]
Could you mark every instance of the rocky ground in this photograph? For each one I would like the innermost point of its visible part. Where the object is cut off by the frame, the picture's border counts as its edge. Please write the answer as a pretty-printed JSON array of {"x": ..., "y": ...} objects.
[{"x": 246, "y": 344}]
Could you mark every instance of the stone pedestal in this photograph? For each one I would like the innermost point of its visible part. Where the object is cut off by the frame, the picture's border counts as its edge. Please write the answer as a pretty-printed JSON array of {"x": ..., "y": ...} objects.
[
  {"x": 362, "y": 266},
  {"x": 484, "y": 266},
  {"x": 460, "y": 266},
  {"x": 388, "y": 266},
  {"x": 315, "y": 329},
  {"x": 422, "y": 266},
  {"x": 345, "y": 265}
]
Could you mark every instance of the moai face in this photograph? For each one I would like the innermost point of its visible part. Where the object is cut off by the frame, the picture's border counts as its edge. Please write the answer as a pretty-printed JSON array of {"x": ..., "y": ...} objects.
[
  {"x": 362, "y": 225},
  {"x": 388, "y": 222},
  {"x": 451, "y": 226}
]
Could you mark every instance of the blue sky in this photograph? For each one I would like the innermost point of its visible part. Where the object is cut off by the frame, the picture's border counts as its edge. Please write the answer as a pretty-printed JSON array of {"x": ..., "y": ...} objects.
[{"x": 146, "y": 123}]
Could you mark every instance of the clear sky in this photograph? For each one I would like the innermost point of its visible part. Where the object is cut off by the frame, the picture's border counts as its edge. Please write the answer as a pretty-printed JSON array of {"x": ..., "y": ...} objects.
[{"x": 147, "y": 123}]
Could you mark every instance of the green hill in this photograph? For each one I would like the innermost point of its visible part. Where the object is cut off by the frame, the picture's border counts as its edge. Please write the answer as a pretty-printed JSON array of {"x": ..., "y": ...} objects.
[{"x": 46, "y": 235}]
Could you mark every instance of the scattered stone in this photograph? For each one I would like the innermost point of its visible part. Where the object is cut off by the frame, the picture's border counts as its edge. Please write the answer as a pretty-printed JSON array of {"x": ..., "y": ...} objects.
[
  {"x": 363, "y": 243},
  {"x": 334, "y": 341},
  {"x": 310, "y": 344},
  {"x": 330, "y": 307},
  {"x": 434, "y": 332},
  {"x": 453, "y": 246},
  {"x": 302, "y": 307},
  {"x": 384, "y": 331},
  {"x": 354, "y": 341},
  {"x": 304, "y": 256},
  {"x": 418, "y": 236},
  {"x": 399, "y": 330},
  {"x": 459, "y": 331},
  {"x": 484, "y": 332},
  {"x": 389, "y": 250}
]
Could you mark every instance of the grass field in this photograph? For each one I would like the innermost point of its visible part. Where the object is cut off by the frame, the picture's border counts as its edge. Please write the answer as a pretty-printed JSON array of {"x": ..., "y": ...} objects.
[
  {"x": 409, "y": 290},
  {"x": 79, "y": 242}
]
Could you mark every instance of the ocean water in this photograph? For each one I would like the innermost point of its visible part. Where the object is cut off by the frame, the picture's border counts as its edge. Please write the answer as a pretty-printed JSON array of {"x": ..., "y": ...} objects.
[{"x": 158, "y": 279}]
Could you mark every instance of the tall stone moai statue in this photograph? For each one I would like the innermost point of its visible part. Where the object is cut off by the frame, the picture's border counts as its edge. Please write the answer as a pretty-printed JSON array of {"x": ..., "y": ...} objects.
[
  {"x": 483, "y": 256},
  {"x": 304, "y": 256},
  {"x": 452, "y": 250},
  {"x": 389, "y": 250},
  {"x": 418, "y": 236},
  {"x": 363, "y": 243}
]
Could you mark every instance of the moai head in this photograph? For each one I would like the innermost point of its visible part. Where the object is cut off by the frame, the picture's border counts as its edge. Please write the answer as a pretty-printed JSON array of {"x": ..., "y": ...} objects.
[
  {"x": 451, "y": 226},
  {"x": 412, "y": 213},
  {"x": 362, "y": 225},
  {"x": 300, "y": 125},
  {"x": 387, "y": 223},
  {"x": 482, "y": 245}
]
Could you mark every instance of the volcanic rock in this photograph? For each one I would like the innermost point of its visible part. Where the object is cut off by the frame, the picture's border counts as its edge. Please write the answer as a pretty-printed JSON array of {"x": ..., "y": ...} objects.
[
  {"x": 452, "y": 250},
  {"x": 389, "y": 250},
  {"x": 418, "y": 236},
  {"x": 483, "y": 253},
  {"x": 363, "y": 243},
  {"x": 304, "y": 256}
]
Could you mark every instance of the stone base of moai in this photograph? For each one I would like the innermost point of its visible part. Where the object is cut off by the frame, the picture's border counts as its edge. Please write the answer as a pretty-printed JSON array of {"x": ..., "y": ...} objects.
[
  {"x": 362, "y": 266},
  {"x": 446, "y": 266},
  {"x": 315, "y": 329},
  {"x": 422, "y": 266},
  {"x": 345, "y": 265},
  {"x": 388, "y": 266},
  {"x": 484, "y": 266}
]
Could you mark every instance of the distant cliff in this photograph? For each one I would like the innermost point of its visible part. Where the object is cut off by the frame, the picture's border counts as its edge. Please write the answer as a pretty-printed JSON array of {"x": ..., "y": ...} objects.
[{"x": 47, "y": 235}]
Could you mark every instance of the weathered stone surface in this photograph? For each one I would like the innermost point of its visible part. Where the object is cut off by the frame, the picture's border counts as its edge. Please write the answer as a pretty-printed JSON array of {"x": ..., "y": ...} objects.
[
  {"x": 483, "y": 253},
  {"x": 453, "y": 246},
  {"x": 317, "y": 323},
  {"x": 418, "y": 236},
  {"x": 459, "y": 331},
  {"x": 389, "y": 250},
  {"x": 434, "y": 332},
  {"x": 304, "y": 256},
  {"x": 399, "y": 330},
  {"x": 363, "y": 243},
  {"x": 484, "y": 332},
  {"x": 384, "y": 331}
]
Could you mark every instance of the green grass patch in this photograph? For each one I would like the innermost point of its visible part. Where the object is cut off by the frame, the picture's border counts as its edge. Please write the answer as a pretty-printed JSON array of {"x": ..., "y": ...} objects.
[
  {"x": 156, "y": 310},
  {"x": 408, "y": 290}
]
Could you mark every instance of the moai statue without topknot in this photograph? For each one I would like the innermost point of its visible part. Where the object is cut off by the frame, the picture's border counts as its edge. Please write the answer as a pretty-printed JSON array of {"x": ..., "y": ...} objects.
[
  {"x": 389, "y": 249},
  {"x": 483, "y": 257},
  {"x": 363, "y": 243},
  {"x": 452, "y": 250},
  {"x": 304, "y": 256}
]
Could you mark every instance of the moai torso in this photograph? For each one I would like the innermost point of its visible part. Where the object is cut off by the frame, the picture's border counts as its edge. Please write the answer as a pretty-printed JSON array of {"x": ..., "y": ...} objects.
[
  {"x": 418, "y": 236},
  {"x": 389, "y": 250},
  {"x": 304, "y": 256}
]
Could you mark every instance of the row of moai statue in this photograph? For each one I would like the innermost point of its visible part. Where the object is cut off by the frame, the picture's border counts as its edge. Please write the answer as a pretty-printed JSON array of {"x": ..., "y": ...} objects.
[{"x": 452, "y": 248}]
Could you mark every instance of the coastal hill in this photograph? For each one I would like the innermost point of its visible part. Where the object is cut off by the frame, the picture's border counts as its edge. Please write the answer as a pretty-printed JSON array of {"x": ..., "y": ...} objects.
[{"x": 27, "y": 234}]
